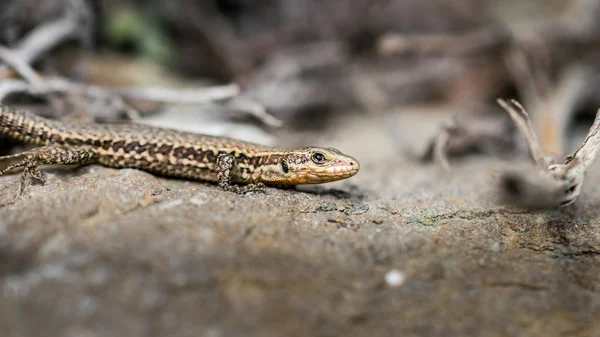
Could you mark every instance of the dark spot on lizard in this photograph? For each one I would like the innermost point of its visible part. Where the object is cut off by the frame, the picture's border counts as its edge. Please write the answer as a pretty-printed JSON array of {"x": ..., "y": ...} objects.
[
  {"x": 143, "y": 148},
  {"x": 179, "y": 151},
  {"x": 284, "y": 166},
  {"x": 44, "y": 135},
  {"x": 246, "y": 160},
  {"x": 239, "y": 156},
  {"x": 165, "y": 149},
  {"x": 191, "y": 153},
  {"x": 106, "y": 145},
  {"x": 73, "y": 141},
  {"x": 55, "y": 138},
  {"x": 130, "y": 147},
  {"x": 207, "y": 156},
  {"x": 118, "y": 145}
]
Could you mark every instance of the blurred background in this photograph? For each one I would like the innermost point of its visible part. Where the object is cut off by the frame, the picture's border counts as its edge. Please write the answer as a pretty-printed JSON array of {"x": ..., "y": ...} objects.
[
  {"x": 306, "y": 61},
  {"x": 404, "y": 248}
]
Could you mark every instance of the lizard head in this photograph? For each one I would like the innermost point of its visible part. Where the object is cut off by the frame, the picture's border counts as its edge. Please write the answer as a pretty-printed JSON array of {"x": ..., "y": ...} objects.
[{"x": 311, "y": 165}]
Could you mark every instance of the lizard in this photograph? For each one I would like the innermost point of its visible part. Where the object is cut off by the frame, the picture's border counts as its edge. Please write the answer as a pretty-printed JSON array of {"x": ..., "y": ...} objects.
[{"x": 236, "y": 166}]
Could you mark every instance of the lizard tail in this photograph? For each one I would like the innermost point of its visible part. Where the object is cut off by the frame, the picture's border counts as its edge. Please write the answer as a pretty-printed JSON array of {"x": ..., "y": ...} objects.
[{"x": 28, "y": 128}]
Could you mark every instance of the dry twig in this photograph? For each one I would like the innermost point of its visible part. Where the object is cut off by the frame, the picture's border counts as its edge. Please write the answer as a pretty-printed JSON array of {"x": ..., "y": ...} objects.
[
  {"x": 253, "y": 108},
  {"x": 45, "y": 37},
  {"x": 225, "y": 96},
  {"x": 551, "y": 104},
  {"x": 101, "y": 96},
  {"x": 179, "y": 95},
  {"x": 521, "y": 119},
  {"x": 554, "y": 185},
  {"x": 474, "y": 134},
  {"x": 440, "y": 144},
  {"x": 21, "y": 66}
]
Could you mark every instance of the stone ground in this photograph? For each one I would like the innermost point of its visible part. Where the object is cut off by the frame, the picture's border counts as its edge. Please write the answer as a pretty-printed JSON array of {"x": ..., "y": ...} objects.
[{"x": 401, "y": 249}]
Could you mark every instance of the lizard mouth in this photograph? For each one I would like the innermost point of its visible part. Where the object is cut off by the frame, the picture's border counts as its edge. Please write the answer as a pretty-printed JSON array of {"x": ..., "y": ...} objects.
[
  {"x": 333, "y": 173},
  {"x": 345, "y": 170}
]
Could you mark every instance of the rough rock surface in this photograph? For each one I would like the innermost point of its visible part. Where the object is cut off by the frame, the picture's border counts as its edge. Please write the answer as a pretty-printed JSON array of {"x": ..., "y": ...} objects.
[{"x": 401, "y": 249}]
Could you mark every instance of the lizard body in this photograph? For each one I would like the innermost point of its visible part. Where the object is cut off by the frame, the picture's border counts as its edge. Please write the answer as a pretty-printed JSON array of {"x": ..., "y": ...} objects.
[{"x": 235, "y": 165}]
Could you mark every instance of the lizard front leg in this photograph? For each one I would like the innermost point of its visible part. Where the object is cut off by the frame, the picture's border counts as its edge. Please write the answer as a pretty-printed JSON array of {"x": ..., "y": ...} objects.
[
  {"x": 48, "y": 155},
  {"x": 227, "y": 169}
]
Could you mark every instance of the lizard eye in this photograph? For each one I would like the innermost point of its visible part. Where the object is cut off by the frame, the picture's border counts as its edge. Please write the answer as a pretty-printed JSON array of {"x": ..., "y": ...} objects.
[{"x": 318, "y": 157}]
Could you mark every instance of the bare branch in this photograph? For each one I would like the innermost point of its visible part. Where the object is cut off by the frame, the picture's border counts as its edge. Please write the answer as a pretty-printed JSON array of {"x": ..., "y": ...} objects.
[
  {"x": 179, "y": 95},
  {"x": 523, "y": 123},
  {"x": 8, "y": 87},
  {"x": 224, "y": 96},
  {"x": 578, "y": 164},
  {"x": 45, "y": 37},
  {"x": 551, "y": 104},
  {"x": 253, "y": 108},
  {"x": 49, "y": 35},
  {"x": 440, "y": 145},
  {"x": 590, "y": 148},
  {"x": 555, "y": 185},
  {"x": 20, "y": 66}
]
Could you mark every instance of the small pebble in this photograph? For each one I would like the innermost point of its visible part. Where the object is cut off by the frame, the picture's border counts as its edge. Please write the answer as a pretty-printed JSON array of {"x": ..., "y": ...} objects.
[
  {"x": 394, "y": 278},
  {"x": 341, "y": 208},
  {"x": 147, "y": 200},
  {"x": 377, "y": 221}
]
